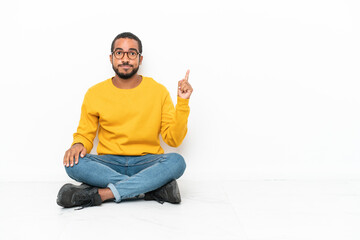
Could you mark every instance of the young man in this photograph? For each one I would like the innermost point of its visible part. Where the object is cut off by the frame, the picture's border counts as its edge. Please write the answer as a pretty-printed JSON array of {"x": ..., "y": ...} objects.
[{"x": 131, "y": 111}]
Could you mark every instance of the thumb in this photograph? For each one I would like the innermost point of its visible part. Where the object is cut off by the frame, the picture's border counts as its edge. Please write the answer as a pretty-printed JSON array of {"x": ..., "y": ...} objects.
[
  {"x": 179, "y": 86},
  {"x": 83, "y": 152}
]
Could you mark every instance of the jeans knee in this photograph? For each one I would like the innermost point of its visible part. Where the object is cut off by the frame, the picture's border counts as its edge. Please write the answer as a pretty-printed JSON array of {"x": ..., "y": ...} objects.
[
  {"x": 179, "y": 163},
  {"x": 73, "y": 171}
]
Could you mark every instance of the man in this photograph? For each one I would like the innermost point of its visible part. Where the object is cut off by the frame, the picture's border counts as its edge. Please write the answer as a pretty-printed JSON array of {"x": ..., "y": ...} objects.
[{"x": 129, "y": 111}]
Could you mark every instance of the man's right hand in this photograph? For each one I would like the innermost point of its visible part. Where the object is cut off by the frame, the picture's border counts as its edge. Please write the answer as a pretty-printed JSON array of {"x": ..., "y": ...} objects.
[{"x": 73, "y": 154}]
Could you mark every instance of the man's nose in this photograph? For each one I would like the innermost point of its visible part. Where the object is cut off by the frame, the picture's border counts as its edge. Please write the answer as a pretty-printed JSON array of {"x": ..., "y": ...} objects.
[{"x": 125, "y": 57}]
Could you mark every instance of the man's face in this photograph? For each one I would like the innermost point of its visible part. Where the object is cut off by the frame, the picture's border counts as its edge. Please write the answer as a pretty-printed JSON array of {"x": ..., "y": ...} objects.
[{"x": 125, "y": 67}]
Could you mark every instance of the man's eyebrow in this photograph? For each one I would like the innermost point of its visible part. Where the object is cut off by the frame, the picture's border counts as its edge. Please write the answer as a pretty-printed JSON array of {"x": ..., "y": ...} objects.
[{"x": 129, "y": 49}]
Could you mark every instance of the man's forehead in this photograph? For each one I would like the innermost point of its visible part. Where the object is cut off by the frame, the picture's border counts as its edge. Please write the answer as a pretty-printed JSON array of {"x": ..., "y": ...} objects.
[{"x": 126, "y": 43}]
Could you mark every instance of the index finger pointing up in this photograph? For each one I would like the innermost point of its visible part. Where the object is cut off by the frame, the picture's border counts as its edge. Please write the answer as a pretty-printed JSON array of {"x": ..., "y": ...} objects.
[{"x": 187, "y": 75}]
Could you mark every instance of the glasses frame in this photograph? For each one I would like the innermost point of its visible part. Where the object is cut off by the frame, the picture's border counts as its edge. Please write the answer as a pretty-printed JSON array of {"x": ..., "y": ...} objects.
[{"x": 127, "y": 54}]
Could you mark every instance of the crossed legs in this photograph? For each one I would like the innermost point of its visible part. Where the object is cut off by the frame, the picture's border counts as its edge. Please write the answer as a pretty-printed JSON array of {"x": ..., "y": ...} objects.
[{"x": 122, "y": 177}]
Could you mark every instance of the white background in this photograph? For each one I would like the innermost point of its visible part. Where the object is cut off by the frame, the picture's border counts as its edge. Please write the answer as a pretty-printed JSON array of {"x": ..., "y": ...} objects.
[{"x": 276, "y": 83}]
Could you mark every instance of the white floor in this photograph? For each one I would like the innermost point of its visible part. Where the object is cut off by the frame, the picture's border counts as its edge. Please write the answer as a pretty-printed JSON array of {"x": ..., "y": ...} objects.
[{"x": 255, "y": 210}]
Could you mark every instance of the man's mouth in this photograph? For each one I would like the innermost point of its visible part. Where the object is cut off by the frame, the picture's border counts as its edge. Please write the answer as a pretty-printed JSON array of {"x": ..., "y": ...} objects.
[{"x": 125, "y": 66}]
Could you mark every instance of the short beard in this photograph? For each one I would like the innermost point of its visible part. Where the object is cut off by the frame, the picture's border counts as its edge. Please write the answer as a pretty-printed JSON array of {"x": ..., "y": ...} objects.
[{"x": 126, "y": 75}]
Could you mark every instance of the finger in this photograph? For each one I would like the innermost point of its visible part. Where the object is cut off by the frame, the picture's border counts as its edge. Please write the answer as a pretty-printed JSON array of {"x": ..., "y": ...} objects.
[
  {"x": 83, "y": 152},
  {"x": 185, "y": 89},
  {"x": 180, "y": 85},
  {"x": 189, "y": 87},
  {"x": 66, "y": 159},
  {"x": 72, "y": 159},
  {"x": 76, "y": 158},
  {"x": 187, "y": 75},
  {"x": 185, "y": 85}
]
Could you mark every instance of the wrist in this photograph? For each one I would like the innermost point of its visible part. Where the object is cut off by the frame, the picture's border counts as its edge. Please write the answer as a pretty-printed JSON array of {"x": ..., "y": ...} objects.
[{"x": 77, "y": 143}]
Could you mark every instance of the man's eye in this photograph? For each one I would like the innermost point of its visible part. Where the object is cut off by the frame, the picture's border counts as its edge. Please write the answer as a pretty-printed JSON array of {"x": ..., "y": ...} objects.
[
  {"x": 118, "y": 53},
  {"x": 132, "y": 53}
]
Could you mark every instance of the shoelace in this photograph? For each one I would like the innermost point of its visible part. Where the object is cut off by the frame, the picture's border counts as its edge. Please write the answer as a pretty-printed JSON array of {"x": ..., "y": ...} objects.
[{"x": 89, "y": 204}]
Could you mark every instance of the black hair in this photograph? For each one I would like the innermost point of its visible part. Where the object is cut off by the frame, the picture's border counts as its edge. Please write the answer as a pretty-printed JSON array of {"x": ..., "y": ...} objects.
[{"x": 127, "y": 35}]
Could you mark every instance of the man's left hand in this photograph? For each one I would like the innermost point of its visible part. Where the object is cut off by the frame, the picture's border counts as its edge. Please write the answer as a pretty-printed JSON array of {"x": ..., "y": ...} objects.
[{"x": 184, "y": 87}]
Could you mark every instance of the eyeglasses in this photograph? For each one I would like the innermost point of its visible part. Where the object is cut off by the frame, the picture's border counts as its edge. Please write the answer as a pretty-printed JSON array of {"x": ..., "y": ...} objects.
[{"x": 119, "y": 54}]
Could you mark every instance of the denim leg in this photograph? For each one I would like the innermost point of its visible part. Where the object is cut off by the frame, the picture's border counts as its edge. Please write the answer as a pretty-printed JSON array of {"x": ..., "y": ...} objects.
[
  {"x": 128, "y": 176},
  {"x": 148, "y": 173},
  {"x": 97, "y": 171}
]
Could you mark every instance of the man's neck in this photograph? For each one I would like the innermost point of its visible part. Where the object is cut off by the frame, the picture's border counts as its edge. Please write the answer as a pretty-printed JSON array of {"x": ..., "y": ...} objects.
[{"x": 129, "y": 83}]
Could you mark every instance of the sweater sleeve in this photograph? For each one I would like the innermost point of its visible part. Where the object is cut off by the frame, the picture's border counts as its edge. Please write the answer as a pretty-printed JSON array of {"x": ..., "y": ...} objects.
[
  {"x": 88, "y": 125},
  {"x": 174, "y": 120}
]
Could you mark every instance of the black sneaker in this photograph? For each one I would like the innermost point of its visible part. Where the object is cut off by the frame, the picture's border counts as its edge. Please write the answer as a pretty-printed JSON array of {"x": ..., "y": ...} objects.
[
  {"x": 167, "y": 193},
  {"x": 84, "y": 195}
]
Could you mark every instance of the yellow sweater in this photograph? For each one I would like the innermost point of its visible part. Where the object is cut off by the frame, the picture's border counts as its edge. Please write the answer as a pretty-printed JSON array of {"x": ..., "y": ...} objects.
[{"x": 130, "y": 120}]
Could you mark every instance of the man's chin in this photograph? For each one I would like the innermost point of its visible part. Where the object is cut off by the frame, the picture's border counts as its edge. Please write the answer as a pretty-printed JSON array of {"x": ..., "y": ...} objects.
[{"x": 126, "y": 75}]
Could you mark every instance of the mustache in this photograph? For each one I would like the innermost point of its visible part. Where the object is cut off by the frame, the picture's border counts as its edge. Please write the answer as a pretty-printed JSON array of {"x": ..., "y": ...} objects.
[{"x": 125, "y": 64}]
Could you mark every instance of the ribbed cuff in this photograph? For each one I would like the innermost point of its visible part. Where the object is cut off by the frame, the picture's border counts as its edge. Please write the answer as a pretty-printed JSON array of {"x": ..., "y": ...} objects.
[
  {"x": 87, "y": 144},
  {"x": 182, "y": 104},
  {"x": 182, "y": 101}
]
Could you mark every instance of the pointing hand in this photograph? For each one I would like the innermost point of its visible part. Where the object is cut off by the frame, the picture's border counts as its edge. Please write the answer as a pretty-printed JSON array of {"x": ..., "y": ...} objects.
[{"x": 184, "y": 87}]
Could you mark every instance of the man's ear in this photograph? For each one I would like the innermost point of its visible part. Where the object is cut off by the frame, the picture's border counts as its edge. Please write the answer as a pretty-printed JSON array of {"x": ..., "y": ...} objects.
[
  {"x": 111, "y": 58},
  {"x": 140, "y": 59}
]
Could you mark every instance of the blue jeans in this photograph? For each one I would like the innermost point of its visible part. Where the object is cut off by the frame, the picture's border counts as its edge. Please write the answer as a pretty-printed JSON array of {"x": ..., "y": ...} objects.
[{"x": 128, "y": 176}]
